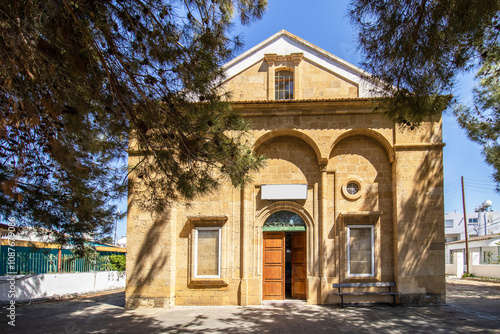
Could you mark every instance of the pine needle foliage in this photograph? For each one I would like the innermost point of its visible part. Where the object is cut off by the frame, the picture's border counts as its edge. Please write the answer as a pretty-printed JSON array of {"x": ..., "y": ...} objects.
[
  {"x": 415, "y": 50},
  {"x": 77, "y": 78},
  {"x": 482, "y": 122}
]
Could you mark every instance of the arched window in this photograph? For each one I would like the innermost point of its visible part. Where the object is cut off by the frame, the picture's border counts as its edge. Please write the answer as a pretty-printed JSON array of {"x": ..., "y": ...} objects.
[
  {"x": 284, "y": 221},
  {"x": 283, "y": 85}
]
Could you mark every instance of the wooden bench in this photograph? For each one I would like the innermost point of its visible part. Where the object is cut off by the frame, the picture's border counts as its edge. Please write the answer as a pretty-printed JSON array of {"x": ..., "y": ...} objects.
[{"x": 351, "y": 286}]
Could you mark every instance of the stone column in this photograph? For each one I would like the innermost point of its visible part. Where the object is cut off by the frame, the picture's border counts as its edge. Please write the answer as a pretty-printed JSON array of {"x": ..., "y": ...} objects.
[
  {"x": 270, "y": 60},
  {"x": 316, "y": 257},
  {"x": 297, "y": 75},
  {"x": 244, "y": 249},
  {"x": 419, "y": 223},
  {"x": 323, "y": 235},
  {"x": 171, "y": 281},
  {"x": 314, "y": 286}
]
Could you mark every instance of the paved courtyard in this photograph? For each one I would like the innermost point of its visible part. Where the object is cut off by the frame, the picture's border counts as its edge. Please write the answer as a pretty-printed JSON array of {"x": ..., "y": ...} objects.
[{"x": 473, "y": 307}]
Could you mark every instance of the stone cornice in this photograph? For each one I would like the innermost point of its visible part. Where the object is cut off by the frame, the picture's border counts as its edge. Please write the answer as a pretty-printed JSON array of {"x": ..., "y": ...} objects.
[
  {"x": 297, "y": 57},
  {"x": 418, "y": 146},
  {"x": 200, "y": 216},
  {"x": 357, "y": 214},
  {"x": 301, "y": 107},
  {"x": 271, "y": 58}
]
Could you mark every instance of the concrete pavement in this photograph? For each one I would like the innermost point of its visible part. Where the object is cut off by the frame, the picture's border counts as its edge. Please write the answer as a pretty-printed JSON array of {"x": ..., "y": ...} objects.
[{"x": 473, "y": 307}]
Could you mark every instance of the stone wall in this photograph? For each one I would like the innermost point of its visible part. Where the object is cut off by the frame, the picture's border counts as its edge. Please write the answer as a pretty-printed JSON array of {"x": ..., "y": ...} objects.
[
  {"x": 256, "y": 83},
  {"x": 329, "y": 138},
  {"x": 324, "y": 145}
]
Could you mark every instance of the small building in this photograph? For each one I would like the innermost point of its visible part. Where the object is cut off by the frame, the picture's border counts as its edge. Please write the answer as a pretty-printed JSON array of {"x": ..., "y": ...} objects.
[
  {"x": 479, "y": 223},
  {"x": 484, "y": 256},
  {"x": 346, "y": 196}
]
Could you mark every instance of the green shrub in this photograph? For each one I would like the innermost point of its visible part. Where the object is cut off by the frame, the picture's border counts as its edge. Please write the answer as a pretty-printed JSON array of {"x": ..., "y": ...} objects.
[{"x": 117, "y": 262}]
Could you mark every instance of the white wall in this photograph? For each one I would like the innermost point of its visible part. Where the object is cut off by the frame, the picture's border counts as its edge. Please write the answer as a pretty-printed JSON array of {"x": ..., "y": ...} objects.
[
  {"x": 486, "y": 270},
  {"x": 476, "y": 269},
  {"x": 451, "y": 269},
  {"x": 27, "y": 287}
]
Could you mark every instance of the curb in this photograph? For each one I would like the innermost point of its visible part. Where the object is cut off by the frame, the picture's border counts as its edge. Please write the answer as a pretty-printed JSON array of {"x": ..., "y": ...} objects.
[{"x": 481, "y": 279}]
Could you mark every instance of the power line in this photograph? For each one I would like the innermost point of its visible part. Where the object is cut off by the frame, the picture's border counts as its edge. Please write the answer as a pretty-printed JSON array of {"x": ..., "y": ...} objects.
[
  {"x": 481, "y": 185},
  {"x": 489, "y": 184},
  {"x": 485, "y": 190},
  {"x": 457, "y": 182},
  {"x": 493, "y": 224},
  {"x": 457, "y": 187},
  {"x": 478, "y": 186},
  {"x": 482, "y": 181},
  {"x": 478, "y": 191}
]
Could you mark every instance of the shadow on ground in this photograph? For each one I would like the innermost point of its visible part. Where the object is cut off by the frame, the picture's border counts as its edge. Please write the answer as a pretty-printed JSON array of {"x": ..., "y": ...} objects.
[
  {"x": 98, "y": 314},
  {"x": 469, "y": 311}
]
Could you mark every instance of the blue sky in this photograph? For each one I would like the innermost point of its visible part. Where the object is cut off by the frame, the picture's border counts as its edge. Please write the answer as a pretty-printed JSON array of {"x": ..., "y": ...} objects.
[{"x": 325, "y": 24}]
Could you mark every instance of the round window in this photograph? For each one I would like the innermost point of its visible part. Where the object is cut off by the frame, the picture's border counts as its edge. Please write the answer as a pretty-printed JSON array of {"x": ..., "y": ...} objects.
[{"x": 352, "y": 188}]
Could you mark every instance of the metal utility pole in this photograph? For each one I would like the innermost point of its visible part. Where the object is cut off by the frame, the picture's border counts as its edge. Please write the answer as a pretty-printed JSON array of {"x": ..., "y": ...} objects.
[{"x": 466, "y": 232}]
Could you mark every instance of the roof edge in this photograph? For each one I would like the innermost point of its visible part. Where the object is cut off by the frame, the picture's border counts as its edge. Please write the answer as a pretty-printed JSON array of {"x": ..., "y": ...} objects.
[
  {"x": 301, "y": 41},
  {"x": 346, "y": 99}
]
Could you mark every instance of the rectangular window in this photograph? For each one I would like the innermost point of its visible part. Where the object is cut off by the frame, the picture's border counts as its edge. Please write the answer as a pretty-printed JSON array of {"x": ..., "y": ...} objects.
[
  {"x": 360, "y": 250},
  {"x": 207, "y": 252},
  {"x": 283, "y": 85},
  {"x": 448, "y": 223},
  {"x": 472, "y": 220}
]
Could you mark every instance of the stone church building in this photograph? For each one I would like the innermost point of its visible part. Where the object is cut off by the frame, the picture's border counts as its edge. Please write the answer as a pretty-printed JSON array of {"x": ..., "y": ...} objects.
[{"x": 346, "y": 196}]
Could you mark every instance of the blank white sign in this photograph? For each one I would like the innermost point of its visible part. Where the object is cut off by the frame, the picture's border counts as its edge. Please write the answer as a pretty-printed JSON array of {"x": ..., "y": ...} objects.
[{"x": 283, "y": 191}]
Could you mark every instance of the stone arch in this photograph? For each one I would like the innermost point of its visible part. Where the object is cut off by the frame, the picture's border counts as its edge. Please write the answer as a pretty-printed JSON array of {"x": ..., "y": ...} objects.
[
  {"x": 364, "y": 159},
  {"x": 283, "y": 68},
  {"x": 293, "y": 133},
  {"x": 262, "y": 215},
  {"x": 284, "y": 219},
  {"x": 312, "y": 249},
  {"x": 369, "y": 133}
]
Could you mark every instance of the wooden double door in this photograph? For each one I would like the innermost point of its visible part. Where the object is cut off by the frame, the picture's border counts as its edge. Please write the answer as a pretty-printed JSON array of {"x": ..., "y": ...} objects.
[{"x": 274, "y": 273}]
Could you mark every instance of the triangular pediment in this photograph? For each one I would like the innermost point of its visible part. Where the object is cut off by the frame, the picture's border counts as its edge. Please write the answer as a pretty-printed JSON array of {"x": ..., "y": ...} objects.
[{"x": 318, "y": 74}]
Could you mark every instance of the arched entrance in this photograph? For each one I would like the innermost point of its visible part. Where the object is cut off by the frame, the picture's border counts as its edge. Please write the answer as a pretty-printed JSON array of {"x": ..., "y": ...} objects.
[{"x": 284, "y": 256}]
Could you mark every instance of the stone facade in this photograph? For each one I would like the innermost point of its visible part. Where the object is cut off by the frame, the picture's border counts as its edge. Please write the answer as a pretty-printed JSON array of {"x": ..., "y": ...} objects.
[{"x": 328, "y": 138}]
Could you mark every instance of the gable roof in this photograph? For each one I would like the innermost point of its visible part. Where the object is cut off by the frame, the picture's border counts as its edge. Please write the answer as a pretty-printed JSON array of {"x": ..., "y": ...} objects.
[{"x": 285, "y": 43}]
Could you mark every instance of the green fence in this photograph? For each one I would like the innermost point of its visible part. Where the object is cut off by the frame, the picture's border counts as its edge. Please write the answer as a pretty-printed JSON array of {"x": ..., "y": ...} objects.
[{"x": 39, "y": 263}]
